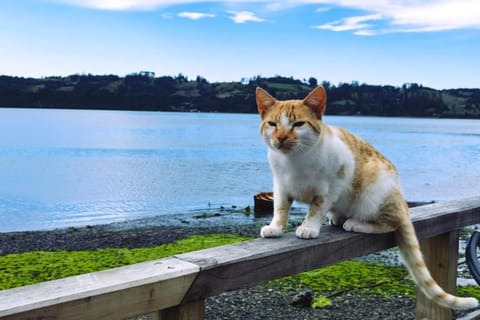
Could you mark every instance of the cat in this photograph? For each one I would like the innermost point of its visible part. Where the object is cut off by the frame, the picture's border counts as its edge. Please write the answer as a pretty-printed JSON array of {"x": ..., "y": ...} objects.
[{"x": 336, "y": 172}]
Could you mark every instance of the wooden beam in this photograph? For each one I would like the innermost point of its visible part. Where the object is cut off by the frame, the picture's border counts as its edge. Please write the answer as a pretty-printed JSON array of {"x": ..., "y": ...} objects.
[
  {"x": 441, "y": 257},
  {"x": 442, "y": 217},
  {"x": 189, "y": 311},
  {"x": 112, "y": 294},
  {"x": 245, "y": 264}
]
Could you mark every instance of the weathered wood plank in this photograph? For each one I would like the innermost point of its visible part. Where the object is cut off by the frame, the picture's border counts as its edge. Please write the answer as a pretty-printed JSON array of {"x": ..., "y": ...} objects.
[
  {"x": 111, "y": 294},
  {"x": 188, "y": 311},
  {"x": 442, "y": 217},
  {"x": 244, "y": 264},
  {"x": 162, "y": 284},
  {"x": 441, "y": 256}
]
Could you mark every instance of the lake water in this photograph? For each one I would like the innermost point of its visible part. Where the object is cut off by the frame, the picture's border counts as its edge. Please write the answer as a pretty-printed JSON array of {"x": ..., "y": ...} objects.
[{"x": 62, "y": 168}]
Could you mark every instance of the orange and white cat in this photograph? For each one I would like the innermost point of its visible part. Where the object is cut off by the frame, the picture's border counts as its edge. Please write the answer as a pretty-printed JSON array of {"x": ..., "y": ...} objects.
[{"x": 336, "y": 172}]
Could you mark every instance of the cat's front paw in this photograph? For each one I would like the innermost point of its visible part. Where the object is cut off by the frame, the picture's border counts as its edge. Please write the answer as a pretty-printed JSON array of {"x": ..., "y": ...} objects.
[
  {"x": 270, "y": 232},
  {"x": 307, "y": 232}
]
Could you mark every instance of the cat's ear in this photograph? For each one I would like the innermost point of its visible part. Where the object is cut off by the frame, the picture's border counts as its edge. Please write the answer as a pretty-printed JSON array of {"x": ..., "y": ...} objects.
[
  {"x": 317, "y": 101},
  {"x": 264, "y": 101}
]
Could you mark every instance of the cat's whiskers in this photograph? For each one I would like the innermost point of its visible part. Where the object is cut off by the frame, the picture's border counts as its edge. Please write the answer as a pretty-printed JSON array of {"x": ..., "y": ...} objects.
[{"x": 303, "y": 147}]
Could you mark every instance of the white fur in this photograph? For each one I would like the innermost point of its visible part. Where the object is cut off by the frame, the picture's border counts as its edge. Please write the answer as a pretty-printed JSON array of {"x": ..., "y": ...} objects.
[
  {"x": 309, "y": 170},
  {"x": 373, "y": 196},
  {"x": 285, "y": 121}
]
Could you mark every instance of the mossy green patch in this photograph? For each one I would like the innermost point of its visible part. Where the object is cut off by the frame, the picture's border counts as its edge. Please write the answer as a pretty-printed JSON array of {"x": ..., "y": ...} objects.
[
  {"x": 360, "y": 277},
  {"x": 38, "y": 266},
  {"x": 321, "y": 302},
  {"x": 350, "y": 276},
  {"x": 469, "y": 291}
]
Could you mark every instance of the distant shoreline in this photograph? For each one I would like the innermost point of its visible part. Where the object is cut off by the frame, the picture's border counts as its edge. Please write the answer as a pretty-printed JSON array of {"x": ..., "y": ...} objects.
[
  {"x": 226, "y": 112},
  {"x": 145, "y": 92}
]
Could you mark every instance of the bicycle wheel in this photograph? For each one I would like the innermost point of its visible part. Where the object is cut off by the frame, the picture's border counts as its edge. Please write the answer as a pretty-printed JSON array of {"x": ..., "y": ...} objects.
[{"x": 471, "y": 255}]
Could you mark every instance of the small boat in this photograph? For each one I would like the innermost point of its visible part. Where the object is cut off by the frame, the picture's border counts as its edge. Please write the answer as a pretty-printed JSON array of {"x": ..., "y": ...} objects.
[{"x": 263, "y": 203}]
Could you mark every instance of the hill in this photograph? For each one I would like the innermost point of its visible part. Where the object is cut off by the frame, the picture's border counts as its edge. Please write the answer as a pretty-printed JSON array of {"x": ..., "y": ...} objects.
[{"x": 144, "y": 91}]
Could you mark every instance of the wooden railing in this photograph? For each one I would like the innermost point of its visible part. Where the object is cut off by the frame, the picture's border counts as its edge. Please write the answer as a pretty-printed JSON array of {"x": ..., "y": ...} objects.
[{"x": 176, "y": 287}]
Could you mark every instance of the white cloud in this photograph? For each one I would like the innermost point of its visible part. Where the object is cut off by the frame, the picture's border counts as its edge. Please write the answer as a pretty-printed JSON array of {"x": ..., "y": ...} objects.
[
  {"x": 244, "y": 16},
  {"x": 121, "y": 4},
  {"x": 397, "y": 15},
  {"x": 407, "y": 15},
  {"x": 322, "y": 9},
  {"x": 439, "y": 15},
  {"x": 195, "y": 15},
  {"x": 367, "y": 32},
  {"x": 351, "y": 23},
  {"x": 150, "y": 4}
]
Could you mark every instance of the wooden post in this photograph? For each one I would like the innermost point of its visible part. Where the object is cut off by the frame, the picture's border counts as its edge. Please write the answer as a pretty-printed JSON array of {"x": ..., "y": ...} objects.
[
  {"x": 441, "y": 257},
  {"x": 189, "y": 311}
]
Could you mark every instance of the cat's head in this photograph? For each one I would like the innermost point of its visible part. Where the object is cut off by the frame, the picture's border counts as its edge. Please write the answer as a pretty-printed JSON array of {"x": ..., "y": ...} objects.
[{"x": 292, "y": 125}]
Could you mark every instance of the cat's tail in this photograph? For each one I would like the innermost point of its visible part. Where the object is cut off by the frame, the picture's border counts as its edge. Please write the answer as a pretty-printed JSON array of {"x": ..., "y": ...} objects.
[{"x": 413, "y": 259}]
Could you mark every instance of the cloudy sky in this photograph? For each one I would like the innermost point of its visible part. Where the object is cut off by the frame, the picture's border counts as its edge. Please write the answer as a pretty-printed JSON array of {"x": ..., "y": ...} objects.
[{"x": 431, "y": 42}]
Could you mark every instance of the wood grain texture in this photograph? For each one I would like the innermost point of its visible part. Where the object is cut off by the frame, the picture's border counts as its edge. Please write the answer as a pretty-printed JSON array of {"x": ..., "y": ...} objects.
[
  {"x": 188, "y": 311},
  {"x": 441, "y": 256},
  {"x": 112, "y": 294},
  {"x": 245, "y": 264},
  {"x": 442, "y": 217}
]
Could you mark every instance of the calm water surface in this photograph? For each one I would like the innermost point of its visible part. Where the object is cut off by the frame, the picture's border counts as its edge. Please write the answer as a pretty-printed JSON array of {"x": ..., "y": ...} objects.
[{"x": 63, "y": 168}]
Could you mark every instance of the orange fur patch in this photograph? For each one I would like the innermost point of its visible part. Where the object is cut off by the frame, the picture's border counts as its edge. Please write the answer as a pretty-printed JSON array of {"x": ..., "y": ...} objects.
[
  {"x": 393, "y": 211},
  {"x": 429, "y": 283},
  {"x": 295, "y": 110}
]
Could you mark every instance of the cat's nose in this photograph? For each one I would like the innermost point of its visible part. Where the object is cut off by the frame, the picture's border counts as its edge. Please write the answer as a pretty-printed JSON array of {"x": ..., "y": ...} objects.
[{"x": 282, "y": 138}]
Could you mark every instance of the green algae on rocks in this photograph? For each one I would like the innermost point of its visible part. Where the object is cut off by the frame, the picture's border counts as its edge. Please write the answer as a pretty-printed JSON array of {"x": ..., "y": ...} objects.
[
  {"x": 360, "y": 277},
  {"x": 37, "y": 266}
]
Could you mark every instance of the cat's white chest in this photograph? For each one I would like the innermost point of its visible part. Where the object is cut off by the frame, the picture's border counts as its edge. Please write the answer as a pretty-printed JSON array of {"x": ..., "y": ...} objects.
[
  {"x": 326, "y": 171},
  {"x": 300, "y": 177}
]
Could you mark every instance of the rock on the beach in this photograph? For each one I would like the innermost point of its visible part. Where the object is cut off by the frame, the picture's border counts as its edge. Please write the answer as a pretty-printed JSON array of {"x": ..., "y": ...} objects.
[{"x": 303, "y": 299}]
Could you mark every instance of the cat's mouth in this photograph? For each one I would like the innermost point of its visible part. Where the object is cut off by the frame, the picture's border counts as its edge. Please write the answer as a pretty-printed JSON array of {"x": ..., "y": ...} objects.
[{"x": 284, "y": 146}]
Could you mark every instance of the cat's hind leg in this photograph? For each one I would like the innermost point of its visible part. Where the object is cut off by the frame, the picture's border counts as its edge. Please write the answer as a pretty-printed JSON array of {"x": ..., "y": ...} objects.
[
  {"x": 387, "y": 220},
  {"x": 355, "y": 225}
]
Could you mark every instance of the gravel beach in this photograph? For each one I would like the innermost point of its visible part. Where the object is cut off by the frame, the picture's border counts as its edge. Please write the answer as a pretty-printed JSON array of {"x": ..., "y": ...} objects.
[{"x": 259, "y": 302}]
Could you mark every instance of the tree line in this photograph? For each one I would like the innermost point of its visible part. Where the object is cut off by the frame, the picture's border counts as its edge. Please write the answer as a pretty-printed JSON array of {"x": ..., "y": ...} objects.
[{"x": 145, "y": 91}]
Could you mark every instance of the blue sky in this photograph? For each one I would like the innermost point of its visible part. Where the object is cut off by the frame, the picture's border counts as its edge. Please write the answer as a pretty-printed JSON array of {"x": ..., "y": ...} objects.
[{"x": 434, "y": 43}]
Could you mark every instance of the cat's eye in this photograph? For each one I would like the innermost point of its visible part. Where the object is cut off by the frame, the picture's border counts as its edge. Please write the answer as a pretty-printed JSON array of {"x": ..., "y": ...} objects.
[
  {"x": 299, "y": 124},
  {"x": 272, "y": 123}
]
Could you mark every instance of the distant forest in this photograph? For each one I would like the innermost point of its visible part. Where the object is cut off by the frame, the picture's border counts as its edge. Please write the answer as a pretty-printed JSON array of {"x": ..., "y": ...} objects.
[{"x": 144, "y": 91}]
